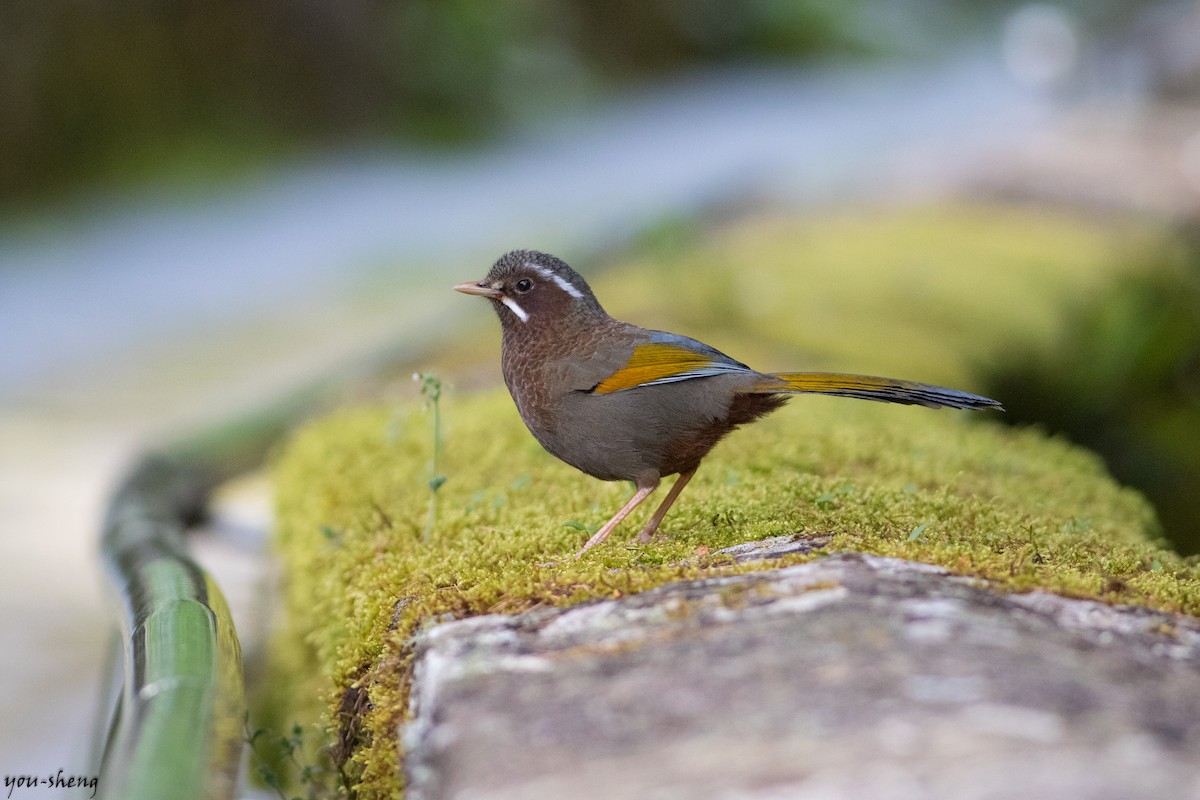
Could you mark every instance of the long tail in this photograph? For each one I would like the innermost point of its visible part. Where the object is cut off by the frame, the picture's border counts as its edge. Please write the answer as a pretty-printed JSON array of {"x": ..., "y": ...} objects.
[{"x": 866, "y": 387}]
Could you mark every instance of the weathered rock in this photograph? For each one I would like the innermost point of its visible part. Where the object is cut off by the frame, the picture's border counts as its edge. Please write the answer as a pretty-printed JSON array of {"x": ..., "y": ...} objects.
[{"x": 849, "y": 677}]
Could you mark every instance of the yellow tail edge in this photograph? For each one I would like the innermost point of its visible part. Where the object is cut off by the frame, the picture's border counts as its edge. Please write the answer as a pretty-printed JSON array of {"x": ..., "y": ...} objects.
[{"x": 869, "y": 387}]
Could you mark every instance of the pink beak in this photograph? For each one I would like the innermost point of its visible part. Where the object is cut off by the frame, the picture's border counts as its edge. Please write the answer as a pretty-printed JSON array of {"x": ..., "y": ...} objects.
[{"x": 477, "y": 288}]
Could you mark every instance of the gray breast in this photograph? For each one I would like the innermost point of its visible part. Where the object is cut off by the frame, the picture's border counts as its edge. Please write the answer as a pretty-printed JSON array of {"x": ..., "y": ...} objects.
[{"x": 624, "y": 435}]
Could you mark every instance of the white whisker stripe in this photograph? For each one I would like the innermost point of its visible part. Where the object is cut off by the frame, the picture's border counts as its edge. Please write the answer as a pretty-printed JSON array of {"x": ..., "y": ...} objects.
[
  {"x": 552, "y": 276},
  {"x": 516, "y": 309}
]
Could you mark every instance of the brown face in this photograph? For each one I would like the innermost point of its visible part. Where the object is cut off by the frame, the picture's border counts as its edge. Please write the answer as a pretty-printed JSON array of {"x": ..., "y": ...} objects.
[{"x": 528, "y": 293}]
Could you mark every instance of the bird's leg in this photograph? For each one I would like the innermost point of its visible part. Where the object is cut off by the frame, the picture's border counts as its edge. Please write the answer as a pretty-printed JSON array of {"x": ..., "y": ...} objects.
[
  {"x": 657, "y": 519},
  {"x": 644, "y": 488}
]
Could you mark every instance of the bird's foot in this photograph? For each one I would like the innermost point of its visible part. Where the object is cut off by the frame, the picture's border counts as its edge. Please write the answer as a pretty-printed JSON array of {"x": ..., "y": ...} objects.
[{"x": 647, "y": 534}]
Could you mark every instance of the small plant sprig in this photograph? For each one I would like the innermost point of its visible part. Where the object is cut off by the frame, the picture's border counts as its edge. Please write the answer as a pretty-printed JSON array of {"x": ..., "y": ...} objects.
[
  {"x": 431, "y": 390},
  {"x": 312, "y": 778}
]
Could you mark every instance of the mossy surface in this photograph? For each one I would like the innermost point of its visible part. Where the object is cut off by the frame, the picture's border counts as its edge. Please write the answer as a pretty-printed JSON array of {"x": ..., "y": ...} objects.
[{"x": 949, "y": 488}]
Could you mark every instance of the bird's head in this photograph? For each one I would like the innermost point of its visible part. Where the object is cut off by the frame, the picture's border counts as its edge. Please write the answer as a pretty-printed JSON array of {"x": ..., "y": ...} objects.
[{"x": 531, "y": 288}]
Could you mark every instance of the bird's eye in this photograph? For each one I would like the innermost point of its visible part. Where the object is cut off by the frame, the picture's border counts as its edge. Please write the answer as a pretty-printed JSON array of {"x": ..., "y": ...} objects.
[{"x": 524, "y": 285}]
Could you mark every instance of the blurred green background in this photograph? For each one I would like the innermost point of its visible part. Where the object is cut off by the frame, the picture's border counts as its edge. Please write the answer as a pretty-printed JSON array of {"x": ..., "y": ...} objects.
[
  {"x": 94, "y": 93},
  {"x": 114, "y": 91}
]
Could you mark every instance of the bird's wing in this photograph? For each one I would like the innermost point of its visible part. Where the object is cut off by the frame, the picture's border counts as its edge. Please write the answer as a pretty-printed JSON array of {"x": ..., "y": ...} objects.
[{"x": 668, "y": 358}]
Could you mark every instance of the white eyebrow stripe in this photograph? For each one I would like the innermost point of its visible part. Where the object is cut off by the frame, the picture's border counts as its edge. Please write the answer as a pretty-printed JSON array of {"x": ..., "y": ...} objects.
[
  {"x": 516, "y": 309},
  {"x": 550, "y": 276}
]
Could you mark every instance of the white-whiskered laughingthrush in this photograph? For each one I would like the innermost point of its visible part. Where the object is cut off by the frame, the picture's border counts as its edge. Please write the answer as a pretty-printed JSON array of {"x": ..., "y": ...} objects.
[{"x": 621, "y": 402}]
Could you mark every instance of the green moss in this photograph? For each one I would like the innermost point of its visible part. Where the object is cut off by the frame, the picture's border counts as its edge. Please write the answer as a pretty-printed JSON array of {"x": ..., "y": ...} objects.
[{"x": 949, "y": 488}]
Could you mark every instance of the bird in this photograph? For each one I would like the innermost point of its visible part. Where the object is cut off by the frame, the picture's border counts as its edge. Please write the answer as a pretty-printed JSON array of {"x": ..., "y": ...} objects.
[{"x": 624, "y": 403}]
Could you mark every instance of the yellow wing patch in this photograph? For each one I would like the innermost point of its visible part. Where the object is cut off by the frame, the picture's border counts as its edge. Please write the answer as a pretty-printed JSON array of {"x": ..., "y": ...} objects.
[{"x": 662, "y": 363}]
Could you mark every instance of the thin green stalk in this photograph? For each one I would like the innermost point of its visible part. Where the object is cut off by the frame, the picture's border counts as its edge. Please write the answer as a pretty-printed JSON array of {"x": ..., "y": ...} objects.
[{"x": 431, "y": 390}]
